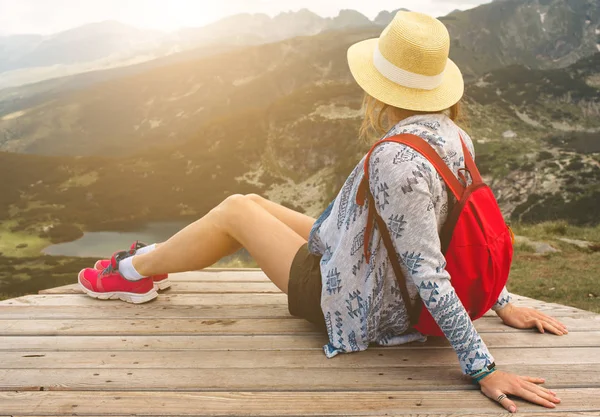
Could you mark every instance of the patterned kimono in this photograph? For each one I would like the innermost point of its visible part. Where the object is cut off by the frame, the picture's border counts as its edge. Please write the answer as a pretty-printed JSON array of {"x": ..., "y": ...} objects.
[{"x": 361, "y": 301}]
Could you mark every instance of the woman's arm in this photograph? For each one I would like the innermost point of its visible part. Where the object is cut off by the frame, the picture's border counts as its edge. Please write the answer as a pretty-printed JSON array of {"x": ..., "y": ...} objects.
[
  {"x": 504, "y": 299},
  {"x": 526, "y": 318},
  {"x": 529, "y": 318},
  {"x": 402, "y": 188}
]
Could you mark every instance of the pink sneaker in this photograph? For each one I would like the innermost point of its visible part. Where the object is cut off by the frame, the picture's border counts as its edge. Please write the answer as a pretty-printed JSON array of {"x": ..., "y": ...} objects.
[
  {"x": 109, "y": 284},
  {"x": 162, "y": 281}
]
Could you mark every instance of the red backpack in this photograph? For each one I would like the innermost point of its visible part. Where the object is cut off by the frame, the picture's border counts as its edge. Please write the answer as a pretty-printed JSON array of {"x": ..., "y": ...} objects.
[{"x": 476, "y": 242}]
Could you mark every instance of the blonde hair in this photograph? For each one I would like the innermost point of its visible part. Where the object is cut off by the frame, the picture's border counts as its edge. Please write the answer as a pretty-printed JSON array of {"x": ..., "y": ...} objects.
[{"x": 380, "y": 117}]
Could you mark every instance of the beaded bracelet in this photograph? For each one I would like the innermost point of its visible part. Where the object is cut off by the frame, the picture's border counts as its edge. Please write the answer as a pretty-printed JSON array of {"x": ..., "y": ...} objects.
[
  {"x": 479, "y": 375},
  {"x": 482, "y": 375}
]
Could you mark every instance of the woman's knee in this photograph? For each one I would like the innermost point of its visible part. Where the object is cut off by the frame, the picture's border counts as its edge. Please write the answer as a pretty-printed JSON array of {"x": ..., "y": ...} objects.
[
  {"x": 233, "y": 204},
  {"x": 255, "y": 197},
  {"x": 234, "y": 201},
  {"x": 232, "y": 209},
  {"x": 237, "y": 200}
]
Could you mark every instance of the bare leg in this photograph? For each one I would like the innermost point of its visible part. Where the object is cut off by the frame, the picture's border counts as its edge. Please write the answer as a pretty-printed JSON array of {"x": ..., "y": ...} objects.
[
  {"x": 298, "y": 222},
  {"x": 238, "y": 221}
]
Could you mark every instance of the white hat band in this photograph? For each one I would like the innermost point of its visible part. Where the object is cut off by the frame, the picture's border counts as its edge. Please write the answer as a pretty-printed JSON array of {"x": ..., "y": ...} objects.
[{"x": 405, "y": 78}]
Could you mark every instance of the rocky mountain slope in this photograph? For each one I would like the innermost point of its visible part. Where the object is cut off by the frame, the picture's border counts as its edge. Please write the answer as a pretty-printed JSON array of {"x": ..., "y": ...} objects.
[
  {"x": 168, "y": 104},
  {"x": 545, "y": 164},
  {"x": 279, "y": 119},
  {"x": 166, "y": 100},
  {"x": 537, "y": 33},
  {"x": 536, "y": 133}
]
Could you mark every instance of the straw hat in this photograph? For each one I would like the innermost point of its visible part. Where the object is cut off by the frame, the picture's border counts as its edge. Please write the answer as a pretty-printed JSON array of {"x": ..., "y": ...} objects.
[{"x": 408, "y": 65}]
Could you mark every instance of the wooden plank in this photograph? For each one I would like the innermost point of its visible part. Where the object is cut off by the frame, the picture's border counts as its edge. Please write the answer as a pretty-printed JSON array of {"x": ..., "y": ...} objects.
[
  {"x": 130, "y": 311},
  {"x": 162, "y": 300},
  {"x": 150, "y": 310},
  {"x": 187, "y": 287},
  {"x": 223, "y": 326},
  {"x": 169, "y": 359},
  {"x": 153, "y": 343},
  {"x": 192, "y": 287},
  {"x": 167, "y": 299},
  {"x": 232, "y": 275},
  {"x": 216, "y": 287},
  {"x": 103, "y": 310},
  {"x": 585, "y": 323},
  {"x": 271, "y": 342},
  {"x": 275, "y": 403},
  {"x": 557, "y": 310},
  {"x": 273, "y": 379},
  {"x": 496, "y": 413},
  {"x": 155, "y": 326}
]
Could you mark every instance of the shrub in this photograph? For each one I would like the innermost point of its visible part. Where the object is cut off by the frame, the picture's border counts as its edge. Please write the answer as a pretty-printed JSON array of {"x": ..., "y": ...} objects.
[
  {"x": 557, "y": 228},
  {"x": 63, "y": 233}
]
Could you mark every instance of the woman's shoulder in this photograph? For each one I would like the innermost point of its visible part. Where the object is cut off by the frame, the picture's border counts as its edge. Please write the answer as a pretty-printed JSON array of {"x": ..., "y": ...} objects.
[
  {"x": 396, "y": 163},
  {"x": 438, "y": 130}
]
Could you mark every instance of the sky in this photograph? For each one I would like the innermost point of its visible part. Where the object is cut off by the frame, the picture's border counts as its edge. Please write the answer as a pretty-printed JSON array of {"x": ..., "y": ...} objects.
[{"x": 51, "y": 16}]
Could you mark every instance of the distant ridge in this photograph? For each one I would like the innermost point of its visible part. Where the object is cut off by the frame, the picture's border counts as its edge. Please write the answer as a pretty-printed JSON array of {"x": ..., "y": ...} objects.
[{"x": 385, "y": 17}]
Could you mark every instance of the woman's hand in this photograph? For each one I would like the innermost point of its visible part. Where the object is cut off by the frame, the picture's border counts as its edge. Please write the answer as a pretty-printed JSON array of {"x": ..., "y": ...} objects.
[
  {"x": 499, "y": 383},
  {"x": 528, "y": 318}
]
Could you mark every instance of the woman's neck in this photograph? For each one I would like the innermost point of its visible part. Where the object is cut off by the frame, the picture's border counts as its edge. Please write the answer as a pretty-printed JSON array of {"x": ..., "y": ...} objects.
[{"x": 398, "y": 115}]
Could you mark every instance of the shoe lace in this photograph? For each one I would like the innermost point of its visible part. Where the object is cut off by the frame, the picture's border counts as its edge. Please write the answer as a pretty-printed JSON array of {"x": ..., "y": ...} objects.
[
  {"x": 108, "y": 270},
  {"x": 118, "y": 257}
]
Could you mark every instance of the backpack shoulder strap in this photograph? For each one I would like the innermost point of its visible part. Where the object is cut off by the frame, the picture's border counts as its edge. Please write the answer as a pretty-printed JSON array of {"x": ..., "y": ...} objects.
[
  {"x": 425, "y": 149},
  {"x": 470, "y": 163},
  {"x": 412, "y": 310},
  {"x": 364, "y": 193}
]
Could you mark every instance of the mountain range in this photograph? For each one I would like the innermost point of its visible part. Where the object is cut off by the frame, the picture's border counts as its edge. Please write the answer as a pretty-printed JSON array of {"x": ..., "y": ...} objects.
[
  {"x": 168, "y": 99},
  {"x": 33, "y": 58},
  {"x": 537, "y": 33},
  {"x": 165, "y": 140}
]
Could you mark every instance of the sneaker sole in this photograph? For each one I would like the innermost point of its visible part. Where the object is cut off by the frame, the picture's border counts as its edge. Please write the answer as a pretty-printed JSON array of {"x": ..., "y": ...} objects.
[
  {"x": 162, "y": 285},
  {"x": 165, "y": 284},
  {"x": 128, "y": 297}
]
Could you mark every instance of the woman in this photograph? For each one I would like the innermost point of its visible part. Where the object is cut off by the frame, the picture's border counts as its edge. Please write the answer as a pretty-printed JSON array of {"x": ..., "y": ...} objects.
[{"x": 412, "y": 87}]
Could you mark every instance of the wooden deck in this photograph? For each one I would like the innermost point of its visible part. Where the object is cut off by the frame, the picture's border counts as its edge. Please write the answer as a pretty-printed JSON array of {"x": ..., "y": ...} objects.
[{"x": 223, "y": 343}]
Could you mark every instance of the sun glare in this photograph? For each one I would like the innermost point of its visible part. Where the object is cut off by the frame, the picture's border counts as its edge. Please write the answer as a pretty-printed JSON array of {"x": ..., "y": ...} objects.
[{"x": 180, "y": 14}]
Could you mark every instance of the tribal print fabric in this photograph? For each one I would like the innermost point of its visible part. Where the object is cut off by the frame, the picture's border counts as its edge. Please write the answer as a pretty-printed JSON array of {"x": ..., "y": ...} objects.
[{"x": 361, "y": 301}]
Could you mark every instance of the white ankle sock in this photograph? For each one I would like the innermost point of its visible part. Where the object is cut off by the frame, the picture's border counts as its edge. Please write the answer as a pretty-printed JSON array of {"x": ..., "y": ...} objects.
[
  {"x": 128, "y": 271},
  {"x": 146, "y": 249}
]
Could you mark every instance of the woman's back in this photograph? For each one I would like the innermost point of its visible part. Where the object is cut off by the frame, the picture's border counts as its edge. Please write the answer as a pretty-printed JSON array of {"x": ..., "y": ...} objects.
[{"x": 362, "y": 302}]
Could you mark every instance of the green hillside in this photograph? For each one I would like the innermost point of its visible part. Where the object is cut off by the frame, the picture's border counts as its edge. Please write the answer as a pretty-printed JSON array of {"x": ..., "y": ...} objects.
[
  {"x": 281, "y": 119},
  {"x": 167, "y": 101},
  {"x": 300, "y": 148}
]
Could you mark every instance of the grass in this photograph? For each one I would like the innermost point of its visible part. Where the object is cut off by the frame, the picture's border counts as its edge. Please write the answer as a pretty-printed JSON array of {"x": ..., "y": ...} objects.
[
  {"x": 28, "y": 275},
  {"x": 569, "y": 277},
  {"x": 553, "y": 230},
  {"x": 19, "y": 244}
]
